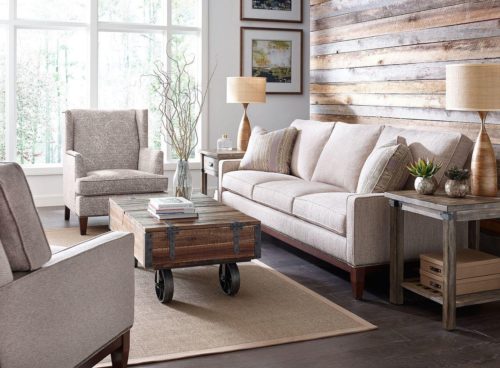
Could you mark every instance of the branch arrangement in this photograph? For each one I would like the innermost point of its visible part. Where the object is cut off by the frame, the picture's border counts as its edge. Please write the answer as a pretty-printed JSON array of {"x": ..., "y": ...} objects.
[{"x": 181, "y": 105}]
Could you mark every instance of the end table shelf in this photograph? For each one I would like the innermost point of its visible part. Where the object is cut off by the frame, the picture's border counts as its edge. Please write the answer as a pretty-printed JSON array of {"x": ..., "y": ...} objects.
[{"x": 461, "y": 300}]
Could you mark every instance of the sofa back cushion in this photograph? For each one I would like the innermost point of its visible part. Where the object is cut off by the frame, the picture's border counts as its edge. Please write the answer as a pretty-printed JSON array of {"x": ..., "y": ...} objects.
[
  {"x": 448, "y": 148},
  {"x": 311, "y": 139},
  {"x": 269, "y": 151},
  {"x": 21, "y": 231},
  {"x": 105, "y": 139},
  {"x": 5, "y": 270},
  {"x": 344, "y": 154}
]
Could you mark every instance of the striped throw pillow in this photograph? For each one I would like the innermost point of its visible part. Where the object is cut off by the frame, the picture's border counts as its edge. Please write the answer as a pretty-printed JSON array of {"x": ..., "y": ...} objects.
[
  {"x": 386, "y": 168},
  {"x": 269, "y": 151}
]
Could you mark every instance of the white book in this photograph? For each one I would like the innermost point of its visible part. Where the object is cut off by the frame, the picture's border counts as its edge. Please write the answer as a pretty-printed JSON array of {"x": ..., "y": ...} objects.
[
  {"x": 173, "y": 216},
  {"x": 170, "y": 202}
]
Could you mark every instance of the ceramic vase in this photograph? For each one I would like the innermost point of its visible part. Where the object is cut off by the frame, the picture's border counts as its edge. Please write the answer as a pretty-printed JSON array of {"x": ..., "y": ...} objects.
[
  {"x": 426, "y": 185},
  {"x": 456, "y": 188}
]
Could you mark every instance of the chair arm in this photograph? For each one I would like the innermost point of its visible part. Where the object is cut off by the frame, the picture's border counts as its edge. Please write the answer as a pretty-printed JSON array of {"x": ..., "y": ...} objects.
[
  {"x": 74, "y": 165},
  {"x": 226, "y": 166},
  {"x": 151, "y": 161},
  {"x": 77, "y": 302}
]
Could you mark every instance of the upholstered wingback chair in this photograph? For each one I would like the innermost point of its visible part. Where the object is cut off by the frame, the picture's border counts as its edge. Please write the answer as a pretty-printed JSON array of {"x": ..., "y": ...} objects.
[
  {"x": 107, "y": 154},
  {"x": 61, "y": 309}
]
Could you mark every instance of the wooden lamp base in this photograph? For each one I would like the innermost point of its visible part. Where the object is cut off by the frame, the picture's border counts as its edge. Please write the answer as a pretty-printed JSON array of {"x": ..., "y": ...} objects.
[
  {"x": 484, "y": 164},
  {"x": 244, "y": 130}
]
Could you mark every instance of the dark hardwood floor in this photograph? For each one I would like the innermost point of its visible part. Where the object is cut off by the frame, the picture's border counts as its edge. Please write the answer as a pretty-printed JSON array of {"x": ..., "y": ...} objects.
[{"x": 407, "y": 336}]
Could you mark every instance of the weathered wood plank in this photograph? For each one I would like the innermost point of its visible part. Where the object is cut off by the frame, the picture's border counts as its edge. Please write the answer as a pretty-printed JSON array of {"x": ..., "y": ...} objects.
[
  {"x": 404, "y": 72},
  {"x": 403, "y": 113},
  {"x": 470, "y": 129},
  {"x": 401, "y": 87},
  {"x": 468, "y": 31},
  {"x": 398, "y": 8},
  {"x": 452, "y": 15},
  {"x": 484, "y": 48},
  {"x": 339, "y": 7},
  {"x": 420, "y": 100}
]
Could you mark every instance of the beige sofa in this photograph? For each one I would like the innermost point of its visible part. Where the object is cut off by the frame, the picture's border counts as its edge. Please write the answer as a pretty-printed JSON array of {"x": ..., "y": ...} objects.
[{"x": 316, "y": 207}]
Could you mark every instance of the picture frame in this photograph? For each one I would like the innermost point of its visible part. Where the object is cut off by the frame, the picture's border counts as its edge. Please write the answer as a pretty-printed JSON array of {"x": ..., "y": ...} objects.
[
  {"x": 274, "y": 53},
  {"x": 272, "y": 10}
]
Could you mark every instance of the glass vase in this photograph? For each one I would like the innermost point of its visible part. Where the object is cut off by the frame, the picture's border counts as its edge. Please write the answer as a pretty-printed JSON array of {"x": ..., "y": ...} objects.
[{"x": 183, "y": 182}]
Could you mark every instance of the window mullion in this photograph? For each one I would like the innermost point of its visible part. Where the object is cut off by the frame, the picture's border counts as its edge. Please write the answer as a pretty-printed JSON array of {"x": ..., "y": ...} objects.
[
  {"x": 10, "y": 129},
  {"x": 94, "y": 55}
]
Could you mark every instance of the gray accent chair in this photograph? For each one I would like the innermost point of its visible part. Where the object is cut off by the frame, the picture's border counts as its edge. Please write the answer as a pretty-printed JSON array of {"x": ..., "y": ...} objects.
[
  {"x": 59, "y": 308},
  {"x": 106, "y": 155}
]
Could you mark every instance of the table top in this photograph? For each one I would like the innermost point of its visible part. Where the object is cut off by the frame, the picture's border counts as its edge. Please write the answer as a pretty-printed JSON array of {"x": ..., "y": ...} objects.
[
  {"x": 441, "y": 202},
  {"x": 222, "y": 154},
  {"x": 211, "y": 213}
]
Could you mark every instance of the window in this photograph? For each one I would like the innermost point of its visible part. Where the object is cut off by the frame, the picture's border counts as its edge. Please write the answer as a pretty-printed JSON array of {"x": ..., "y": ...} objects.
[{"x": 61, "y": 54}]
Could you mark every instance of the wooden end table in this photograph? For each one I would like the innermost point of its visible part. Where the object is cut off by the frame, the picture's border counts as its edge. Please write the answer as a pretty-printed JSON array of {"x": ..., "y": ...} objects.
[
  {"x": 210, "y": 163},
  {"x": 220, "y": 235},
  {"x": 450, "y": 211}
]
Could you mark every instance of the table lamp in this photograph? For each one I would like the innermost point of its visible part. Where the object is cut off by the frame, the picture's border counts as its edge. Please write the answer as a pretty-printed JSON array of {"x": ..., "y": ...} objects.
[
  {"x": 245, "y": 90},
  {"x": 476, "y": 87}
]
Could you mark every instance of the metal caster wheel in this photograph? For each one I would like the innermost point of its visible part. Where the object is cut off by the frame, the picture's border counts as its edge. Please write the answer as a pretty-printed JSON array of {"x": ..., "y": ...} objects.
[
  {"x": 229, "y": 278},
  {"x": 164, "y": 285}
]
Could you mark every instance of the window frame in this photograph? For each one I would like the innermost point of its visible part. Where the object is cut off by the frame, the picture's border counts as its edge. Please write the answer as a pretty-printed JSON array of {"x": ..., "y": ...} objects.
[{"x": 93, "y": 27}]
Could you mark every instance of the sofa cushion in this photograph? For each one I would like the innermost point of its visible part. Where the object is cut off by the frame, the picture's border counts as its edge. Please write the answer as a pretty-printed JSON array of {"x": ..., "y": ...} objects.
[
  {"x": 448, "y": 148},
  {"x": 280, "y": 195},
  {"x": 328, "y": 210},
  {"x": 386, "y": 168},
  {"x": 5, "y": 270},
  {"x": 311, "y": 139},
  {"x": 269, "y": 151},
  {"x": 244, "y": 181},
  {"x": 105, "y": 139},
  {"x": 345, "y": 153},
  {"x": 120, "y": 181},
  {"x": 21, "y": 231}
]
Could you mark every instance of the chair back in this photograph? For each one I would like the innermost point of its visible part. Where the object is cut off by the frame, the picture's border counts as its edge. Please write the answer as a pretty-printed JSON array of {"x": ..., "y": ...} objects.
[
  {"x": 21, "y": 231},
  {"x": 107, "y": 139}
]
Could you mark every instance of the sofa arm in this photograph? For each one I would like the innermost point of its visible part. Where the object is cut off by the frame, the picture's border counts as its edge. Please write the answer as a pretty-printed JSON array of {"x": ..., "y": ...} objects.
[
  {"x": 151, "y": 161},
  {"x": 77, "y": 302},
  {"x": 367, "y": 229},
  {"x": 73, "y": 168},
  {"x": 226, "y": 166}
]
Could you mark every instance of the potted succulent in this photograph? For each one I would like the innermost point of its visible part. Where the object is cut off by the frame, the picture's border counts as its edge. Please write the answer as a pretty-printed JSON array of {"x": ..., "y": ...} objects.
[
  {"x": 457, "y": 185},
  {"x": 424, "y": 171}
]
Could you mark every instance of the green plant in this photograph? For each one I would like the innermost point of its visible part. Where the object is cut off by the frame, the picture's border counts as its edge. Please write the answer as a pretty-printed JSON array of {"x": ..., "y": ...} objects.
[
  {"x": 457, "y": 174},
  {"x": 424, "y": 168}
]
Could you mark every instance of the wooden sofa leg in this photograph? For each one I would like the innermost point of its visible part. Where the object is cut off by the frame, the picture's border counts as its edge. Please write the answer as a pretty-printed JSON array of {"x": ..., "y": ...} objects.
[
  {"x": 66, "y": 213},
  {"x": 119, "y": 357},
  {"x": 83, "y": 225},
  {"x": 358, "y": 282}
]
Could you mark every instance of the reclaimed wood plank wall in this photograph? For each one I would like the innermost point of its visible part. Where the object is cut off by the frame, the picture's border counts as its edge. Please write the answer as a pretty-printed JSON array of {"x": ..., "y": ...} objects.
[{"x": 383, "y": 61}]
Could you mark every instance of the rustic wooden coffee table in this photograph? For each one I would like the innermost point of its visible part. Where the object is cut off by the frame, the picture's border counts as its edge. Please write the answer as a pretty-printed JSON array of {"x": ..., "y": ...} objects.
[{"x": 220, "y": 235}]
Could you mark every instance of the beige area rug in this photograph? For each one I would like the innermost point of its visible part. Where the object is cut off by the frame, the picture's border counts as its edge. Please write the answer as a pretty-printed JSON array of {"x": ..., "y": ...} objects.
[{"x": 269, "y": 309}]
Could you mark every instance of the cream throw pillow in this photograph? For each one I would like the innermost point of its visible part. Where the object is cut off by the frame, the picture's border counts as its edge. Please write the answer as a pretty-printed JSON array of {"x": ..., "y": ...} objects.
[
  {"x": 386, "y": 168},
  {"x": 269, "y": 151}
]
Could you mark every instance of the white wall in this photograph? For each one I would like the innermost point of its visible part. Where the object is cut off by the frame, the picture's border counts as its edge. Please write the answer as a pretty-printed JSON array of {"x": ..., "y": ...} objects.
[{"x": 224, "y": 52}]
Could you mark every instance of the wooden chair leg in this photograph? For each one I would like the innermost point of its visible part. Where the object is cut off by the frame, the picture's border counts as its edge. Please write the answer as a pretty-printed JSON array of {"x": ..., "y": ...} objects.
[
  {"x": 119, "y": 357},
  {"x": 358, "y": 282},
  {"x": 66, "y": 213},
  {"x": 83, "y": 224}
]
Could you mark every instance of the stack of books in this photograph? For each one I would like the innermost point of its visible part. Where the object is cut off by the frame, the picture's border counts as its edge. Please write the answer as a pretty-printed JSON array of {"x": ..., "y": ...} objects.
[{"x": 169, "y": 208}]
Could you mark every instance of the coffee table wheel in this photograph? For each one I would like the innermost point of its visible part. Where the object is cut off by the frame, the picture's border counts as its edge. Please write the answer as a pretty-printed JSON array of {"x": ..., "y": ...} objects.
[
  {"x": 164, "y": 285},
  {"x": 136, "y": 263},
  {"x": 229, "y": 278}
]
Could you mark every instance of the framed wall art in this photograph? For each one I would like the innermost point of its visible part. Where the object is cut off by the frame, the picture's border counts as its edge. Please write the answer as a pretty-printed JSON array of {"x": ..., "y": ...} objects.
[
  {"x": 272, "y": 10},
  {"x": 274, "y": 53}
]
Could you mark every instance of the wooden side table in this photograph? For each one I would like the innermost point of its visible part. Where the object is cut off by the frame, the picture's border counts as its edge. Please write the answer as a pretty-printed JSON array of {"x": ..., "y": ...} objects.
[
  {"x": 210, "y": 163},
  {"x": 449, "y": 211}
]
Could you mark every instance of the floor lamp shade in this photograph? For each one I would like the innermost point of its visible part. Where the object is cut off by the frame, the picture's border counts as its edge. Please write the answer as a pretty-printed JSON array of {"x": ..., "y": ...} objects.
[
  {"x": 245, "y": 90},
  {"x": 476, "y": 87}
]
